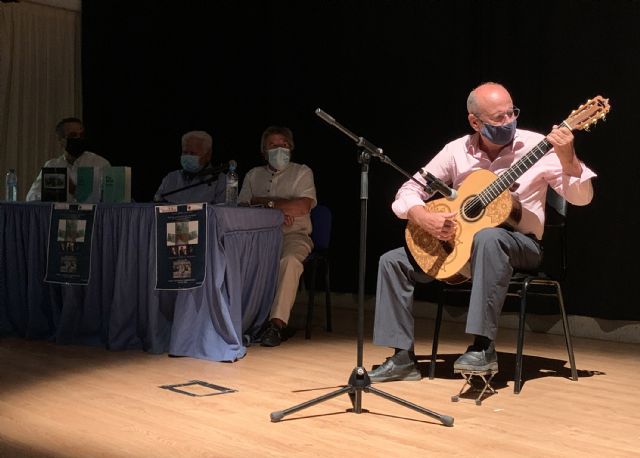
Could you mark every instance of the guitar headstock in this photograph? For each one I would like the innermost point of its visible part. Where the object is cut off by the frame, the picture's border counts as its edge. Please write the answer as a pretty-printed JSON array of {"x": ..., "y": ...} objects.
[{"x": 588, "y": 114}]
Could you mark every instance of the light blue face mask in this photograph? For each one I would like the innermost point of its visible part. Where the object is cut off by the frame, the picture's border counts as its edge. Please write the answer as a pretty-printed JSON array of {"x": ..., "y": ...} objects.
[
  {"x": 279, "y": 158},
  {"x": 190, "y": 163},
  {"x": 500, "y": 135}
]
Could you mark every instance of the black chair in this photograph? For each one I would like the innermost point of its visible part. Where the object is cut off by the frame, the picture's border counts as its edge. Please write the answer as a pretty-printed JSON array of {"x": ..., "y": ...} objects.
[
  {"x": 544, "y": 282},
  {"x": 321, "y": 220}
]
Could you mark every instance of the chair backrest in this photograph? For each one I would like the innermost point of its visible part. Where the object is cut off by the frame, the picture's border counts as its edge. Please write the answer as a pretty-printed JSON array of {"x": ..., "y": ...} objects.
[
  {"x": 321, "y": 221},
  {"x": 554, "y": 240},
  {"x": 557, "y": 203}
]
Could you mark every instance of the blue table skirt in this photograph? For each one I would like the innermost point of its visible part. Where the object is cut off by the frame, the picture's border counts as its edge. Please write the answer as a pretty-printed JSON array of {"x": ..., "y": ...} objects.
[{"x": 120, "y": 307}]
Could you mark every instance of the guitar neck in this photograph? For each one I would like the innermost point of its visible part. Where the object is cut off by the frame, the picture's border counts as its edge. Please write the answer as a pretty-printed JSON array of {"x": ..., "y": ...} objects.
[{"x": 509, "y": 176}]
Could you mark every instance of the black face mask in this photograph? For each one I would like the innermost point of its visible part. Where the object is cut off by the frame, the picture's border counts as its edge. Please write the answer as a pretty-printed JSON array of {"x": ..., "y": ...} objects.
[{"x": 76, "y": 146}]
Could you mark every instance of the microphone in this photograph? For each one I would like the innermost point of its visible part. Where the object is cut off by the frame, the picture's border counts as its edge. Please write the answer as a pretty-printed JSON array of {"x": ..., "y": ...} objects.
[{"x": 435, "y": 184}]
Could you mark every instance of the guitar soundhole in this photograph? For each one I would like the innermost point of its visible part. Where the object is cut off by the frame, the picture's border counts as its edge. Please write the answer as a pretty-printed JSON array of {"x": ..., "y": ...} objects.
[{"x": 472, "y": 208}]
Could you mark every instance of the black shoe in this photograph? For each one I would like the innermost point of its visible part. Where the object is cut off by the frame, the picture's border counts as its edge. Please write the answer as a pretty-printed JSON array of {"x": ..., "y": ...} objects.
[
  {"x": 392, "y": 370},
  {"x": 478, "y": 360},
  {"x": 272, "y": 337}
]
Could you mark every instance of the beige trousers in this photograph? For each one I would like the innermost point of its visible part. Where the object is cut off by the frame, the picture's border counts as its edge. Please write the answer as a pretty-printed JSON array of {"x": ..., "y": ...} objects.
[{"x": 296, "y": 247}]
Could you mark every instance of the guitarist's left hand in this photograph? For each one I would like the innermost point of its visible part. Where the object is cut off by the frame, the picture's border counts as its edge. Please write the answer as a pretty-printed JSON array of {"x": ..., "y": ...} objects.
[{"x": 562, "y": 140}]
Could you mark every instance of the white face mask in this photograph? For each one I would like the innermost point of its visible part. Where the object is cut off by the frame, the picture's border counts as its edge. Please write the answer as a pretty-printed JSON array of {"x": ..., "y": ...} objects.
[{"x": 279, "y": 157}]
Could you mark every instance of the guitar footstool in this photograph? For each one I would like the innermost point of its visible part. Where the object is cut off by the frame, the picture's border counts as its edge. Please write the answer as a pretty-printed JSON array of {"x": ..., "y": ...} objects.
[{"x": 482, "y": 388}]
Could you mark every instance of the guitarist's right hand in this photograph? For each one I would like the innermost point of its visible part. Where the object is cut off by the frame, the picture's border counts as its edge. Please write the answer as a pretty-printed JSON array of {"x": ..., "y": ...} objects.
[{"x": 442, "y": 225}]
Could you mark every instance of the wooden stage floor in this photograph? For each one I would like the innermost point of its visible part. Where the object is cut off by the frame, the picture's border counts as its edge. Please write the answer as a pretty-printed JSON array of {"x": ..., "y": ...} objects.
[{"x": 71, "y": 401}]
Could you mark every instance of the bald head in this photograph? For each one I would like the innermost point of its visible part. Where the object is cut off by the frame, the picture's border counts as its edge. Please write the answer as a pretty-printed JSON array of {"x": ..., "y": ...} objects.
[
  {"x": 493, "y": 116},
  {"x": 485, "y": 97}
]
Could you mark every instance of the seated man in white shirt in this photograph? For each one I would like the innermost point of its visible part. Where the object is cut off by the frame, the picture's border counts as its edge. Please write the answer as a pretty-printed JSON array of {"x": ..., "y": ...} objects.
[
  {"x": 196, "y": 168},
  {"x": 288, "y": 187},
  {"x": 70, "y": 133}
]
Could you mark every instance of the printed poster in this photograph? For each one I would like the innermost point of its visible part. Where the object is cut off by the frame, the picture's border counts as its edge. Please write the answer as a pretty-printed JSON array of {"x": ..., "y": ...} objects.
[
  {"x": 181, "y": 246},
  {"x": 69, "y": 250}
]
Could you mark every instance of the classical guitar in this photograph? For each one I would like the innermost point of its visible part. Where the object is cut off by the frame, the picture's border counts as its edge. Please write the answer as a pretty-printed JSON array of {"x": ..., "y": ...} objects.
[{"x": 484, "y": 200}]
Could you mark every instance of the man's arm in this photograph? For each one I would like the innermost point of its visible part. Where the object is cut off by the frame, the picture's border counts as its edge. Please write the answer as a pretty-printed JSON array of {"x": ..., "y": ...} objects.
[
  {"x": 574, "y": 184},
  {"x": 297, "y": 206},
  {"x": 35, "y": 190},
  {"x": 562, "y": 140}
]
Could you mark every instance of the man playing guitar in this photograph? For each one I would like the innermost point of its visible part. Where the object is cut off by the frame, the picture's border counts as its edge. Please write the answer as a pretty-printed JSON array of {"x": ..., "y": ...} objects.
[{"x": 493, "y": 251}]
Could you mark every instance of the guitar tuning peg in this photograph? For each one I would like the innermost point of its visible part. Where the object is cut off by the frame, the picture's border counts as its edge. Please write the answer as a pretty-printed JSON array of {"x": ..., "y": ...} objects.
[{"x": 587, "y": 127}]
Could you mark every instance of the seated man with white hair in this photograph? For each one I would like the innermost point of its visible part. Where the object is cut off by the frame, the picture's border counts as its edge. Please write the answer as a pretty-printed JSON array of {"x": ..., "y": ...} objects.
[{"x": 196, "y": 168}]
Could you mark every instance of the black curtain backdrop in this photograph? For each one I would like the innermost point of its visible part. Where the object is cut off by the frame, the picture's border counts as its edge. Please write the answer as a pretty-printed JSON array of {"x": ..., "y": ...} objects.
[{"x": 396, "y": 72}]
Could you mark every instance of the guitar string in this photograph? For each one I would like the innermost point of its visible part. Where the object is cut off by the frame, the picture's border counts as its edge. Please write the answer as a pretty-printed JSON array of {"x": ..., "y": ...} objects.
[
  {"x": 506, "y": 179},
  {"x": 498, "y": 186}
]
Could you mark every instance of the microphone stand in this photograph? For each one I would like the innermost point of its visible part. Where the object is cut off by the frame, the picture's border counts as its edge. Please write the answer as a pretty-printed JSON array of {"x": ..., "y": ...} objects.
[{"x": 359, "y": 380}]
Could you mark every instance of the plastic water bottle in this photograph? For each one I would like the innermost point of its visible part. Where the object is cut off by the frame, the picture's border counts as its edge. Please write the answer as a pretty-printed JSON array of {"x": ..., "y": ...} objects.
[
  {"x": 11, "y": 186},
  {"x": 231, "y": 195}
]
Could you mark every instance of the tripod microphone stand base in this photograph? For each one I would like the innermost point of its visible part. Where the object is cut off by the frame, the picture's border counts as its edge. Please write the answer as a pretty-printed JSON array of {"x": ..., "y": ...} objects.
[{"x": 358, "y": 382}]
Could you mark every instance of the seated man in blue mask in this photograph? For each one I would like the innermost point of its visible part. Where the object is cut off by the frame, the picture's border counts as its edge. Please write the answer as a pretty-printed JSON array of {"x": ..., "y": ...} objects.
[{"x": 196, "y": 168}]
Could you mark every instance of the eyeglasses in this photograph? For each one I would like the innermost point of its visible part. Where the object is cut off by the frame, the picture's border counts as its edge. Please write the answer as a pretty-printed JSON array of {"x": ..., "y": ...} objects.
[{"x": 500, "y": 117}]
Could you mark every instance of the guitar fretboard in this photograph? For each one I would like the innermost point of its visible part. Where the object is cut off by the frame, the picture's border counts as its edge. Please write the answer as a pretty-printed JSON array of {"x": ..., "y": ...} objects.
[{"x": 508, "y": 177}]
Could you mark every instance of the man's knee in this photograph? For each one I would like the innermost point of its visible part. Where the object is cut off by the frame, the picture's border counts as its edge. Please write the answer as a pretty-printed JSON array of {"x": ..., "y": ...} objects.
[
  {"x": 390, "y": 261},
  {"x": 387, "y": 259},
  {"x": 488, "y": 237},
  {"x": 290, "y": 260}
]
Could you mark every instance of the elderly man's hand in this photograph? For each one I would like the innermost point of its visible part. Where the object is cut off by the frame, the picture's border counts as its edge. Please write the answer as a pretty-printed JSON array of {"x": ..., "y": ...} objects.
[{"x": 562, "y": 140}]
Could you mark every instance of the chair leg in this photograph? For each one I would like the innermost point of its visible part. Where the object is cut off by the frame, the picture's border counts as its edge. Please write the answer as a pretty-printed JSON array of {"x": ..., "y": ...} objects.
[
  {"x": 310, "y": 304},
  {"x": 436, "y": 335},
  {"x": 327, "y": 296},
  {"x": 517, "y": 378},
  {"x": 567, "y": 334}
]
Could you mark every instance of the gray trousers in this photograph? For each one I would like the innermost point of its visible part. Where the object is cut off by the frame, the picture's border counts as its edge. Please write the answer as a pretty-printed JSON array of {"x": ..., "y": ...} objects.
[{"x": 495, "y": 253}]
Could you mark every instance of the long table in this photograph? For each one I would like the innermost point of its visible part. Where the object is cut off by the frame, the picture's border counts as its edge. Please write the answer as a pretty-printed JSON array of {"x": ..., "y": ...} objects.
[{"x": 120, "y": 307}]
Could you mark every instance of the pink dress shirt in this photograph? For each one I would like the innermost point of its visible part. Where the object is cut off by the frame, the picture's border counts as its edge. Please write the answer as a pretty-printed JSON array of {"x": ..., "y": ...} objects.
[{"x": 463, "y": 156}]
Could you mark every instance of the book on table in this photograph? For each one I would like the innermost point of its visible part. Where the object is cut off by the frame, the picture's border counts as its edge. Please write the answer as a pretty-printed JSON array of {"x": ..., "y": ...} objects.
[
  {"x": 116, "y": 184},
  {"x": 54, "y": 186},
  {"x": 89, "y": 184}
]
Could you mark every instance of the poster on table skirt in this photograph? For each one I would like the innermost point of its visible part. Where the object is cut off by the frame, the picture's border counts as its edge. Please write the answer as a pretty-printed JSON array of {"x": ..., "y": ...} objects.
[
  {"x": 181, "y": 246},
  {"x": 69, "y": 250}
]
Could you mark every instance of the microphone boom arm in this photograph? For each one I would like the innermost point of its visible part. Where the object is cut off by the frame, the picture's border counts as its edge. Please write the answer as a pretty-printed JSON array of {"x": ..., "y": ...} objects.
[
  {"x": 215, "y": 171},
  {"x": 432, "y": 184}
]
